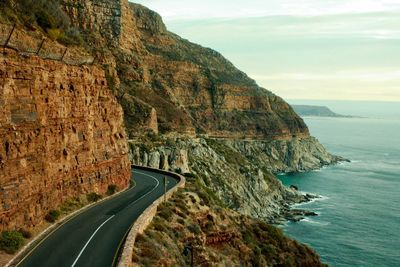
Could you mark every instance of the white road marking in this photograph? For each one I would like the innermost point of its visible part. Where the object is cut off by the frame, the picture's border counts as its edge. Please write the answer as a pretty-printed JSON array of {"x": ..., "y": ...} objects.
[
  {"x": 158, "y": 183},
  {"x": 87, "y": 243}
]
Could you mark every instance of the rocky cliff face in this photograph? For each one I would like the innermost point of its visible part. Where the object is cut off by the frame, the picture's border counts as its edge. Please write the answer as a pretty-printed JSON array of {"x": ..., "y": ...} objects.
[
  {"x": 183, "y": 87},
  {"x": 240, "y": 173},
  {"x": 209, "y": 94},
  {"x": 62, "y": 135}
]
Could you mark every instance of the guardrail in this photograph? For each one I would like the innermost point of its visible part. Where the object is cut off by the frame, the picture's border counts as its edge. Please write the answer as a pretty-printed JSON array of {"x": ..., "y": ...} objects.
[{"x": 146, "y": 217}]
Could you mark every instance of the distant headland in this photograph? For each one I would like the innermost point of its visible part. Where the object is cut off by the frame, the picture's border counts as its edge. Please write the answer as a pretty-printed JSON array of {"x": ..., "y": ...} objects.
[{"x": 318, "y": 111}]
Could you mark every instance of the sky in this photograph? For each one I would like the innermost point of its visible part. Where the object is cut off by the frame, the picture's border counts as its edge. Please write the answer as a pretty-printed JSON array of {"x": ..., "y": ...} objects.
[{"x": 299, "y": 49}]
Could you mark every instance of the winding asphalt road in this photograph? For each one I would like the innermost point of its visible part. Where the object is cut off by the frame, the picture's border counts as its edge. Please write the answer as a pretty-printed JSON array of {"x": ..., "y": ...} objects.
[{"x": 93, "y": 238}]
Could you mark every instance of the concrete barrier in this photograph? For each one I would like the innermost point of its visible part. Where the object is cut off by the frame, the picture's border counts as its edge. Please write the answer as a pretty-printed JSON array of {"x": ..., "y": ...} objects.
[{"x": 146, "y": 217}]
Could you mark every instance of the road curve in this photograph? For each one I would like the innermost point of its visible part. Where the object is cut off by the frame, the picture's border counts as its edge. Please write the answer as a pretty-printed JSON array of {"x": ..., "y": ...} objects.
[{"x": 93, "y": 237}]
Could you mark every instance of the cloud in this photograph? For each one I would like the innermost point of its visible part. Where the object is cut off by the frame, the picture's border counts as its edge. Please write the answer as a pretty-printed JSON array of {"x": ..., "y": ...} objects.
[
  {"x": 370, "y": 25},
  {"x": 194, "y": 9},
  {"x": 379, "y": 85},
  {"x": 338, "y": 49},
  {"x": 355, "y": 76}
]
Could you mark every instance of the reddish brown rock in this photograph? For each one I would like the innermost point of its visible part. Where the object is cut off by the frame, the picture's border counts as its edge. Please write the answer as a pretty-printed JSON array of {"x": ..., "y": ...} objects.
[
  {"x": 62, "y": 135},
  {"x": 194, "y": 90}
]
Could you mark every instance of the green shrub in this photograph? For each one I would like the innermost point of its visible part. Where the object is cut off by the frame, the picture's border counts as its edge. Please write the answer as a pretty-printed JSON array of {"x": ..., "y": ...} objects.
[
  {"x": 112, "y": 189},
  {"x": 189, "y": 175},
  {"x": 71, "y": 36},
  {"x": 248, "y": 238},
  {"x": 93, "y": 197},
  {"x": 71, "y": 204},
  {"x": 164, "y": 211},
  {"x": 45, "y": 14},
  {"x": 159, "y": 226},
  {"x": 25, "y": 233},
  {"x": 52, "y": 216},
  {"x": 54, "y": 34},
  {"x": 194, "y": 228},
  {"x": 44, "y": 19},
  {"x": 11, "y": 241}
]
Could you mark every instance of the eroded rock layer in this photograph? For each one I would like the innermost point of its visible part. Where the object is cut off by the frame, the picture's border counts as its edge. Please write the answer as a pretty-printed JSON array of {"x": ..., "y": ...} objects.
[{"x": 62, "y": 135}]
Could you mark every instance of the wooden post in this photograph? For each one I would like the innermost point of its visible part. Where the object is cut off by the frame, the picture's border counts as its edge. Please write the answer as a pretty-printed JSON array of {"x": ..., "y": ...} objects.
[
  {"x": 189, "y": 249},
  {"x": 65, "y": 52},
  {"x": 165, "y": 189},
  {"x": 40, "y": 46},
  {"x": 9, "y": 36},
  {"x": 94, "y": 59}
]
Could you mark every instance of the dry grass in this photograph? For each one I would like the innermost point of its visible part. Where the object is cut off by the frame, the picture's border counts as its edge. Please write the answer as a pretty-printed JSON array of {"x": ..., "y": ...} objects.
[{"x": 219, "y": 235}]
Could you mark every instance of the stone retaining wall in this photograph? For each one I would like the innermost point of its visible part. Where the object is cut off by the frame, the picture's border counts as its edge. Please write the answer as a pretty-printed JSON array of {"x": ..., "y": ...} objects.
[{"x": 145, "y": 218}]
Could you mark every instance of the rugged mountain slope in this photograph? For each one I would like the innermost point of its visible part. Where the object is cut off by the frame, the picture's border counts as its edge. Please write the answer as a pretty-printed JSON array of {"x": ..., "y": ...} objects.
[
  {"x": 168, "y": 84},
  {"x": 239, "y": 173},
  {"x": 213, "y": 96},
  {"x": 219, "y": 237}
]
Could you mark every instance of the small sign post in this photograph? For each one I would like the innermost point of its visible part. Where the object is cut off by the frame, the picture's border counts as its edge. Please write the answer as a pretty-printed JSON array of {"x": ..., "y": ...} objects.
[
  {"x": 165, "y": 189},
  {"x": 189, "y": 249}
]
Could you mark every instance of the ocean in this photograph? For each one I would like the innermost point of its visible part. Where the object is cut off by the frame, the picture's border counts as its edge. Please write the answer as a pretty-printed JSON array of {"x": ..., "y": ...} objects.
[{"x": 359, "y": 212}]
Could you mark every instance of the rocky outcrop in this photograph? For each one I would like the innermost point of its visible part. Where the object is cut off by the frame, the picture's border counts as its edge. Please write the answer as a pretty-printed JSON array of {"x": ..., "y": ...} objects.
[
  {"x": 238, "y": 172},
  {"x": 62, "y": 135},
  {"x": 285, "y": 156}
]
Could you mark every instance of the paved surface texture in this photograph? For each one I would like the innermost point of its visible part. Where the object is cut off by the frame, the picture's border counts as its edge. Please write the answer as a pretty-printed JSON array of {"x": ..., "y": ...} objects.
[{"x": 94, "y": 237}]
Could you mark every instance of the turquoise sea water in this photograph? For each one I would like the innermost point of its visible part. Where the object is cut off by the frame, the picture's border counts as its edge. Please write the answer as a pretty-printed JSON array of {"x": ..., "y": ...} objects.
[{"x": 359, "y": 214}]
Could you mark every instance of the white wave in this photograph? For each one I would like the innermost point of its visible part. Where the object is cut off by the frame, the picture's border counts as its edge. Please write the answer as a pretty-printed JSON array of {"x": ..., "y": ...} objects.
[
  {"x": 345, "y": 163},
  {"x": 318, "y": 198},
  {"x": 308, "y": 220}
]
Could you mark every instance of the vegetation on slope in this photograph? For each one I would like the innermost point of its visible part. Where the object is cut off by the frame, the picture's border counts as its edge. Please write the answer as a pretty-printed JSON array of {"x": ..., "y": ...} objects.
[
  {"x": 193, "y": 218},
  {"x": 45, "y": 15}
]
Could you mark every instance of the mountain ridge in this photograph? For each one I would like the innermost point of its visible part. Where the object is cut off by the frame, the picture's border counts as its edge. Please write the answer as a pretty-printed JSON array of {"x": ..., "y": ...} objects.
[{"x": 188, "y": 89}]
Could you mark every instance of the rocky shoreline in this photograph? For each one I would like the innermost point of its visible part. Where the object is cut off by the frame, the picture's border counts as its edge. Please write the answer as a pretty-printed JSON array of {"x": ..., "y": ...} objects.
[{"x": 288, "y": 213}]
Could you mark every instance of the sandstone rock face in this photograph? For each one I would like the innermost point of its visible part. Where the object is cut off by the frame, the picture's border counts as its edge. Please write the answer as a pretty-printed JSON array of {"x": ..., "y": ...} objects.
[
  {"x": 240, "y": 173},
  {"x": 193, "y": 90},
  {"x": 62, "y": 135}
]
